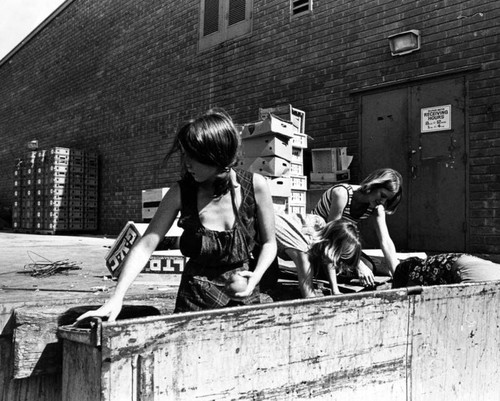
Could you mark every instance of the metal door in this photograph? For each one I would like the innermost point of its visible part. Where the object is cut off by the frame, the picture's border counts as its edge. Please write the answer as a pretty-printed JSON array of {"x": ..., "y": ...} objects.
[
  {"x": 384, "y": 143},
  {"x": 420, "y": 131},
  {"x": 437, "y": 221}
]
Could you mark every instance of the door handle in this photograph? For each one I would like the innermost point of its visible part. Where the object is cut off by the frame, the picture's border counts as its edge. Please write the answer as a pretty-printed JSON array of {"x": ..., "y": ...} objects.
[{"x": 413, "y": 168}]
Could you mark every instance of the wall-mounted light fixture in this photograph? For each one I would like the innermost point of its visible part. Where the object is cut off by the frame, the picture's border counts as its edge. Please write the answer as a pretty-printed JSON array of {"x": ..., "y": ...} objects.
[{"x": 404, "y": 42}]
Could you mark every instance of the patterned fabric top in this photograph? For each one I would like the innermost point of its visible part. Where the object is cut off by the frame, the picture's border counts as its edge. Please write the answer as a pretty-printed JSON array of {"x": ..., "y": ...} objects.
[
  {"x": 434, "y": 270},
  {"x": 323, "y": 206}
]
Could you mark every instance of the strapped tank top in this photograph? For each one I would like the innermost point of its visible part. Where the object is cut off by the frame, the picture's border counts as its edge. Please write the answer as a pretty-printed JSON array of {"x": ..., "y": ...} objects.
[
  {"x": 322, "y": 208},
  {"x": 220, "y": 250}
]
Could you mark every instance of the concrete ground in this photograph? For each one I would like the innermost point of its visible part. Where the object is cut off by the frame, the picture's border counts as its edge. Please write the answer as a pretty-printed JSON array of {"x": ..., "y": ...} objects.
[{"x": 87, "y": 252}]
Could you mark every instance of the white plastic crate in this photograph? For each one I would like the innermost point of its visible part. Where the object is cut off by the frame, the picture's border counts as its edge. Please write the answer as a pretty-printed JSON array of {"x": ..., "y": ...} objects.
[
  {"x": 297, "y": 155},
  {"x": 300, "y": 209},
  {"x": 298, "y": 182},
  {"x": 298, "y": 196},
  {"x": 299, "y": 140},
  {"x": 297, "y": 168}
]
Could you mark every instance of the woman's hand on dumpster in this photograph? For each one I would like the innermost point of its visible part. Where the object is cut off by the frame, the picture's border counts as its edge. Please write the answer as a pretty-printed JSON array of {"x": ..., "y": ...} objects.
[{"x": 110, "y": 309}]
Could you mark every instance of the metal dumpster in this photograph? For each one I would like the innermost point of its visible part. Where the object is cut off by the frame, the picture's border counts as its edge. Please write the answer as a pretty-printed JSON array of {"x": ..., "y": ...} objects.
[{"x": 433, "y": 343}]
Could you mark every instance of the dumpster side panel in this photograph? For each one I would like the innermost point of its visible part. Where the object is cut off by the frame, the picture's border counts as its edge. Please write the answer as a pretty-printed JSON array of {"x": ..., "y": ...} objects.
[
  {"x": 454, "y": 341},
  {"x": 352, "y": 348},
  {"x": 34, "y": 388},
  {"x": 81, "y": 372}
]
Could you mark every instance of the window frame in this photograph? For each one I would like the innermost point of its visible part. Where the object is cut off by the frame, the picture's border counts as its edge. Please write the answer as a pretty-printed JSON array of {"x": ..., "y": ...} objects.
[
  {"x": 225, "y": 31},
  {"x": 306, "y": 12}
]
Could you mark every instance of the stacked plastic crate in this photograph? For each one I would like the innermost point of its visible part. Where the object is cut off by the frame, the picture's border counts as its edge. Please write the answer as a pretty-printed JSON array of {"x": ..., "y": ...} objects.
[
  {"x": 23, "y": 210},
  {"x": 53, "y": 191},
  {"x": 56, "y": 200},
  {"x": 90, "y": 191},
  {"x": 274, "y": 147}
]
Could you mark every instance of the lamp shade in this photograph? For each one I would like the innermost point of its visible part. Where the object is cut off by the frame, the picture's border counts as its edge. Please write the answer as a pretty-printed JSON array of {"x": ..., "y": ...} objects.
[{"x": 404, "y": 42}]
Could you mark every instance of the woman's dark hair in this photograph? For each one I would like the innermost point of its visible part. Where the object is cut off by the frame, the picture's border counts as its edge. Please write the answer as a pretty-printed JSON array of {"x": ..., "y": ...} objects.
[
  {"x": 401, "y": 274},
  {"x": 338, "y": 243},
  {"x": 388, "y": 179},
  {"x": 211, "y": 139}
]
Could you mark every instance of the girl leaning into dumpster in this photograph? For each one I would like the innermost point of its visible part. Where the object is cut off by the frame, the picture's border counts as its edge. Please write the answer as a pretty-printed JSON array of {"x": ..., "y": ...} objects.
[
  {"x": 358, "y": 202},
  {"x": 319, "y": 250},
  {"x": 439, "y": 269},
  {"x": 223, "y": 212}
]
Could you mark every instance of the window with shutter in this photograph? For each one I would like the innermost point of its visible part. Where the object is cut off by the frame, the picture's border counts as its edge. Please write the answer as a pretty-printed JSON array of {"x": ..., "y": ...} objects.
[
  {"x": 300, "y": 7},
  {"x": 221, "y": 20}
]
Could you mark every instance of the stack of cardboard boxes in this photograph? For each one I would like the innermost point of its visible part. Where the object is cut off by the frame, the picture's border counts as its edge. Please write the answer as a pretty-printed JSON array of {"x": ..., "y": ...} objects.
[
  {"x": 274, "y": 147},
  {"x": 55, "y": 190}
]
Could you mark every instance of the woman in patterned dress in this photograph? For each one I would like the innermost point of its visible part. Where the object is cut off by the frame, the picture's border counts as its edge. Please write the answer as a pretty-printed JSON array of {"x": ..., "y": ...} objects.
[
  {"x": 226, "y": 215},
  {"x": 357, "y": 202},
  {"x": 444, "y": 268}
]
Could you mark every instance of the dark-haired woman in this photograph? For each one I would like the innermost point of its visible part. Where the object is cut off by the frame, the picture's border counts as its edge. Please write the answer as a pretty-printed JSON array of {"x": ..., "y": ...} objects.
[{"x": 223, "y": 212}]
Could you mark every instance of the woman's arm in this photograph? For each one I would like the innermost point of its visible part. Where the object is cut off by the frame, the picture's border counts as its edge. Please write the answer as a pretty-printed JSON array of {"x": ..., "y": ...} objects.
[
  {"x": 332, "y": 277},
  {"x": 338, "y": 203},
  {"x": 386, "y": 243},
  {"x": 265, "y": 217},
  {"x": 304, "y": 272},
  {"x": 140, "y": 253}
]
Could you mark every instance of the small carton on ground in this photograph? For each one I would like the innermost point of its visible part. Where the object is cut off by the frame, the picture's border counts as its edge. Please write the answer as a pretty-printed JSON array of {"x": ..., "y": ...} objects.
[{"x": 129, "y": 235}]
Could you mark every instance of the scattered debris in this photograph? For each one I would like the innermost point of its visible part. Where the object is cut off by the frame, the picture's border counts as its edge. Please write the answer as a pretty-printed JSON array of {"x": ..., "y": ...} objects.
[{"x": 46, "y": 267}]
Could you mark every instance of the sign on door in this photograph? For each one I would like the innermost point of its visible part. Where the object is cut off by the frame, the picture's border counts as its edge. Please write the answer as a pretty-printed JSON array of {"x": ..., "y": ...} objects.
[{"x": 437, "y": 118}]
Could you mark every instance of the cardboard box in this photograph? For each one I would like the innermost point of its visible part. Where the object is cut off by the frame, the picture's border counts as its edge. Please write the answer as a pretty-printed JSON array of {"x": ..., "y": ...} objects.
[
  {"x": 286, "y": 112},
  {"x": 270, "y": 125},
  {"x": 170, "y": 262},
  {"x": 129, "y": 235},
  {"x": 328, "y": 160},
  {"x": 151, "y": 199},
  {"x": 337, "y": 176},
  {"x": 280, "y": 204},
  {"x": 267, "y": 166},
  {"x": 280, "y": 186},
  {"x": 268, "y": 145}
]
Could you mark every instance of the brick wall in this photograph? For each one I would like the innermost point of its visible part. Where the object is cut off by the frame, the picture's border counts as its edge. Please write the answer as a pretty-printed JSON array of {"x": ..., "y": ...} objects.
[{"x": 119, "y": 77}]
